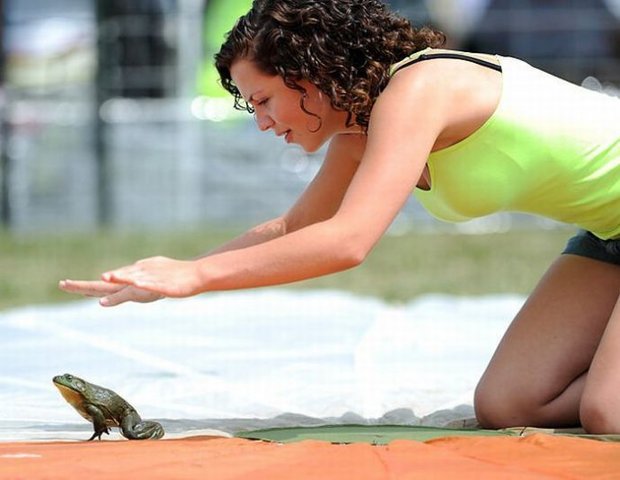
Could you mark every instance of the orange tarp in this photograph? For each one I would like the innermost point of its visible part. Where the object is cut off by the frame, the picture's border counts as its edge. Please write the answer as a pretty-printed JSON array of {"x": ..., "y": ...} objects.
[{"x": 538, "y": 456}]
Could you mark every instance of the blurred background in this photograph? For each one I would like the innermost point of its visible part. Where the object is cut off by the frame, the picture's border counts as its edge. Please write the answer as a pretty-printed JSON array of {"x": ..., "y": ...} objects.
[{"x": 112, "y": 121}]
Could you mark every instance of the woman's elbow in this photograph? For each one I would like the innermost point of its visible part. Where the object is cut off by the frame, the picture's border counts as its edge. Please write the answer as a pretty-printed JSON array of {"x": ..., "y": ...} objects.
[
  {"x": 349, "y": 246},
  {"x": 354, "y": 252}
]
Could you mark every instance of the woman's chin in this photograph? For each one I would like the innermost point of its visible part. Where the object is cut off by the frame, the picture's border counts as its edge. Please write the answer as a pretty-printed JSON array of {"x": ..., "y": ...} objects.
[{"x": 312, "y": 145}]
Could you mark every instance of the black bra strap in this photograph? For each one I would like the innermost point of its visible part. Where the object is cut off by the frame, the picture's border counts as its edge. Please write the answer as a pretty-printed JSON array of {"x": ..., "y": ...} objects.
[{"x": 458, "y": 56}]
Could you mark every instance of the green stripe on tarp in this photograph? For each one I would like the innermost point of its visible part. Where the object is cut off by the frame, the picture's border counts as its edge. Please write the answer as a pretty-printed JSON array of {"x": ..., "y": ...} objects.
[{"x": 374, "y": 434}]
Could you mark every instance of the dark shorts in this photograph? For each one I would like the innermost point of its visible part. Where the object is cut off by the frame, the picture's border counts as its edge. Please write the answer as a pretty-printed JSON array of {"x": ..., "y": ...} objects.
[{"x": 585, "y": 244}]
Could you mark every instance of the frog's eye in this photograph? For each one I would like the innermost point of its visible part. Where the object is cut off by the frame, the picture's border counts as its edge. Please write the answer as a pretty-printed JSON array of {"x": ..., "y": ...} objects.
[{"x": 69, "y": 376}]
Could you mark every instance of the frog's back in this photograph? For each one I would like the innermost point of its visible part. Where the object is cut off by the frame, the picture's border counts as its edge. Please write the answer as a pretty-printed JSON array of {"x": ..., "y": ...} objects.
[{"x": 114, "y": 407}]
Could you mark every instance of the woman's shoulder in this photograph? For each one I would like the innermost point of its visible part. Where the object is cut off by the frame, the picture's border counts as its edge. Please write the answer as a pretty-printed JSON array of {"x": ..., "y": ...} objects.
[
  {"x": 442, "y": 73},
  {"x": 419, "y": 82},
  {"x": 457, "y": 96}
]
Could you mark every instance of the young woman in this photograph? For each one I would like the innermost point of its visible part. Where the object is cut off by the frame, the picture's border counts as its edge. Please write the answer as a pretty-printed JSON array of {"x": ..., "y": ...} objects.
[{"x": 469, "y": 134}]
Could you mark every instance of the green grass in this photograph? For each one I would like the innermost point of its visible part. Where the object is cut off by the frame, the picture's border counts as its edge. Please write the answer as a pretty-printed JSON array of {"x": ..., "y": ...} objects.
[{"x": 400, "y": 268}]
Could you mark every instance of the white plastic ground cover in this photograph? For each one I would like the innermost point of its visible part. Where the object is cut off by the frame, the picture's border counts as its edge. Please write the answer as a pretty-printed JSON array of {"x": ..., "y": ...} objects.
[{"x": 266, "y": 357}]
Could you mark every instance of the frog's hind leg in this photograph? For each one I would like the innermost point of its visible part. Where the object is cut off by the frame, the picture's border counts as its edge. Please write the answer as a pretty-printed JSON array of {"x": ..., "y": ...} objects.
[{"x": 136, "y": 429}]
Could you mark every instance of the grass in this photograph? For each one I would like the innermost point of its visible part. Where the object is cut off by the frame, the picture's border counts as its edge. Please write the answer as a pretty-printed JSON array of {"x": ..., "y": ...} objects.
[{"x": 400, "y": 267}]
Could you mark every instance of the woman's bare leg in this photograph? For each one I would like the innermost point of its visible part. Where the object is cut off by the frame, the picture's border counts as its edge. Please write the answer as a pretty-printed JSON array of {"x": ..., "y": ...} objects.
[
  {"x": 600, "y": 403},
  {"x": 539, "y": 372}
]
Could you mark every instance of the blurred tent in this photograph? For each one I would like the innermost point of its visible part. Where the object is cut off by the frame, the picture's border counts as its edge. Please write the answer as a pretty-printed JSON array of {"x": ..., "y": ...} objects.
[
  {"x": 573, "y": 39},
  {"x": 219, "y": 18}
]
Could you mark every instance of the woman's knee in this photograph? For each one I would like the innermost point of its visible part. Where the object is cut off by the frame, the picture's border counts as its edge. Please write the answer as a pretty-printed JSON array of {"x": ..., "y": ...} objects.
[
  {"x": 485, "y": 408},
  {"x": 599, "y": 413},
  {"x": 496, "y": 407}
]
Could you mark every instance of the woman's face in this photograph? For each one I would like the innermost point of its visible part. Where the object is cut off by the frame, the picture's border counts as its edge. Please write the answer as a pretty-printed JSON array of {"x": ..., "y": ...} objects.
[{"x": 278, "y": 107}]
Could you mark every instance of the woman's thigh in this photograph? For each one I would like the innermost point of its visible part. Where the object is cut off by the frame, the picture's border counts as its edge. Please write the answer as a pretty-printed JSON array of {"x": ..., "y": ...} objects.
[{"x": 538, "y": 371}]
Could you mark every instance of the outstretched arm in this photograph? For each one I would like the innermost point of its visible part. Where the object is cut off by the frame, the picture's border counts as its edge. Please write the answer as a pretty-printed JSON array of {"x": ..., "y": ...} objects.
[
  {"x": 319, "y": 201},
  {"x": 393, "y": 160}
]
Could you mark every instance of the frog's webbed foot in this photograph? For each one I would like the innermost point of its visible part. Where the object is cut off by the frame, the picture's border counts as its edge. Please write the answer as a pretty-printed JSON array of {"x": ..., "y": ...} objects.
[
  {"x": 99, "y": 432},
  {"x": 143, "y": 430}
]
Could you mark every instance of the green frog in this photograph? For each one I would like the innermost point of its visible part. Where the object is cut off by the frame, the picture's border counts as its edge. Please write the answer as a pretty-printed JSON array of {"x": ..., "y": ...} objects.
[{"x": 105, "y": 409}]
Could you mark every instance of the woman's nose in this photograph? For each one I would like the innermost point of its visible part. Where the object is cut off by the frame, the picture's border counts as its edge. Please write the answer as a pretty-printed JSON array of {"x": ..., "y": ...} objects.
[{"x": 263, "y": 121}]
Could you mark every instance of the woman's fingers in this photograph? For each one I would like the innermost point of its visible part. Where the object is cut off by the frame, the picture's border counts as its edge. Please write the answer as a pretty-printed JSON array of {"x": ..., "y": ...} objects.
[
  {"x": 154, "y": 273},
  {"x": 110, "y": 294},
  {"x": 91, "y": 288},
  {"x": 122, "y": 275},
  {"x": 128, "y": 274},
  {"x": 129, "y": 294},
  {"x": 117, "y": 298}
]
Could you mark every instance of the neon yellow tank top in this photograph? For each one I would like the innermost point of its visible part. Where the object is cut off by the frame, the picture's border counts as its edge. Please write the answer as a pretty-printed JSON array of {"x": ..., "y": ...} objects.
[{"x": 551, "y": 148}]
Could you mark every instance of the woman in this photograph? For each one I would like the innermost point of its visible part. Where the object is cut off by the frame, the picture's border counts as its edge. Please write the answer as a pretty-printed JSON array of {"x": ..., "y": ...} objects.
[{"x": 471, "y": 135}]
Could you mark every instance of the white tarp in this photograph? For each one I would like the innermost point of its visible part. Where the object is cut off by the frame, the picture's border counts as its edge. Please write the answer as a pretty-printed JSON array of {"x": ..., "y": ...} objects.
[{"x": 250, "y": 354}]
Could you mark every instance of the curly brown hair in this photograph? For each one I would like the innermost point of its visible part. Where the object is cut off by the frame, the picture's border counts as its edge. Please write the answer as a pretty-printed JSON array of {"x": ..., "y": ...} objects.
[{"x": 344, "y": 47}]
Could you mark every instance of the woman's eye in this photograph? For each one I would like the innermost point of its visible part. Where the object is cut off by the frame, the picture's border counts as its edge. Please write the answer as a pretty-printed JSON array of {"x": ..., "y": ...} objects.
[{"x": 262, "y": 102}]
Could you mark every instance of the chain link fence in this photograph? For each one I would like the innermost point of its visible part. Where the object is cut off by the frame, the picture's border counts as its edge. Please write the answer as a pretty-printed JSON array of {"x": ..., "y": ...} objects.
[{"x": 101, "y": 123}]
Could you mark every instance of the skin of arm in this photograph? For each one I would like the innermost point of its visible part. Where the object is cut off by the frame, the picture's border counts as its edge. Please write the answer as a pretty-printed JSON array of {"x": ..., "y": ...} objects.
[{"x": 393, "y": 160}]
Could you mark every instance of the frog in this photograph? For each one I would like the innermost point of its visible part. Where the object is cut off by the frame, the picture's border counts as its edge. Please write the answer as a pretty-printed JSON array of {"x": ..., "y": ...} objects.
[{"x": 105, "y": 408}]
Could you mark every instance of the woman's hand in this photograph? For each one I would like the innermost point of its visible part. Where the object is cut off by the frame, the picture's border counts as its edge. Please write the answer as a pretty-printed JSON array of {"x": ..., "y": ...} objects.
[
  {"x": 160, "y": 275},
  {"x": 109, "y": 294},
  {"x": 143, "y": 282}
]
